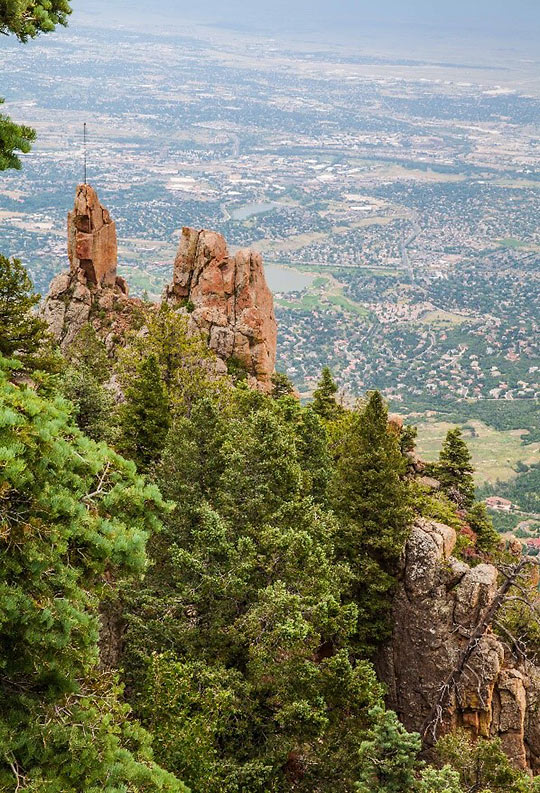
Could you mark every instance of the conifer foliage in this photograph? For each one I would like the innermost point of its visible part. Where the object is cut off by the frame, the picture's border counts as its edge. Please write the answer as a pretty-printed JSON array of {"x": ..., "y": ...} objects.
[
  {"x": 25, "y": 19},
  {"x": 455, "y": 470},
  {"x": 84, "y": 383},
  {"x": 71, "y": 514},
  {"x": 390, "y": 764},
  {"x": 145, "y": 417},
  {"x": 324, "y": 396},
  {"x": 22, "y": 334},
  {"x": 15, "y": 139},
  {"x": 240, "y": 641},
  {"x": 28, "y": 18},
  {"x": 371, "y": 499}
]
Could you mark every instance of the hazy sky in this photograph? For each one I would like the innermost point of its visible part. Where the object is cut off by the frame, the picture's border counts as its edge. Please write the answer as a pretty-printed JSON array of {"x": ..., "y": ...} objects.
[{"x": 309, "y": 14}]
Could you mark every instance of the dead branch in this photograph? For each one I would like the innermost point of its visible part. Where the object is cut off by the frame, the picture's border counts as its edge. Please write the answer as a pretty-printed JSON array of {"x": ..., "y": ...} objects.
[{"x": 436, "y": 714}]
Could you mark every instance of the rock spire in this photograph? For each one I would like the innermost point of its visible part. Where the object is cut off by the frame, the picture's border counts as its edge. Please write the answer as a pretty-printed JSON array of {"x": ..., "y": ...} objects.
[
  {"x": 92, "y": 245},
  {"x": 229, "y": 299},
  {"x": 226, "y": 295}
]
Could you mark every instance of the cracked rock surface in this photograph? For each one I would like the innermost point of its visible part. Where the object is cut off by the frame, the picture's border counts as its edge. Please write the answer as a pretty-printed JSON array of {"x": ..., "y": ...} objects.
[
  {"x": 229, "y": 299},
  {"x": 439, "y": 601}
]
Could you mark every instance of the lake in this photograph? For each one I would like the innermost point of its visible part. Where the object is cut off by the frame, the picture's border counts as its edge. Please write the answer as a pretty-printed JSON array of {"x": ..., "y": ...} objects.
[
  {"x": 285, "y": 279},
  {"x": 250, "y": 210}
]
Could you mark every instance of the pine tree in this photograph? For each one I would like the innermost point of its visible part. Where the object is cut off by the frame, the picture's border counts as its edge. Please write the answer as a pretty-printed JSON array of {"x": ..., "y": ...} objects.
[
  {"x": 369, "y": 489},
  {"x": 261, "y": 470},
  {"x": 94, "y": 405},
  {"x": 324, "y": 396},
  {"x": 14, "y": 140},
  {"x": 281, "y": 385},
  {"x": 455, "y": 471},
  {"x": 313, "y": 455},
  {"x": 183, "y": 357},
  {"x": 372, "y": 503},
  {"x": 239, "y": 642},
  {"x": 25, "y": 19},
  {"x": 87, "y": 351},
  {"x": 487, "y": 537},
  {"x": 145, "y": 417},
  {"x": 22, "y": 335},
  {"x": 390, "y": 764},
  {"x": 83, "y": 383},
  {"x": 193, "y": 457},
  {"x": 28, "y": 18},
  {"x": 73, "y": 516}
]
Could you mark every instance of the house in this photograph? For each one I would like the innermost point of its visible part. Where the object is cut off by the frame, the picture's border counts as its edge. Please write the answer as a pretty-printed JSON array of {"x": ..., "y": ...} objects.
[{"x": 500, "y": 504}]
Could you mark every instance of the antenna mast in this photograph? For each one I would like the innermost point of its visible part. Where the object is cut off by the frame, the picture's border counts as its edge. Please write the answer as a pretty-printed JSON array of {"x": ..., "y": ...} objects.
[{"x": 84, "y": 145}]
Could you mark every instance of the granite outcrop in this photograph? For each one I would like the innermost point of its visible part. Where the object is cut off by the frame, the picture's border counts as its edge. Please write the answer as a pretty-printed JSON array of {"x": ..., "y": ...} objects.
[{"x": 438, "y": 603}]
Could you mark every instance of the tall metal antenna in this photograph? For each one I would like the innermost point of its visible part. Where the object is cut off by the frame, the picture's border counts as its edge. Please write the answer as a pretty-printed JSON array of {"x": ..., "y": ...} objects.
[{"x": 84, "y": 144}]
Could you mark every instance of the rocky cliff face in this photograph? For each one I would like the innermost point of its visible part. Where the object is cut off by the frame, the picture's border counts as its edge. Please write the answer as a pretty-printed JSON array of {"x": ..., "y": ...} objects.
[
  {"x": 227, "y": 296},
  {"x": 230, "y": 301},
  {"x": 438, "y": 603}
]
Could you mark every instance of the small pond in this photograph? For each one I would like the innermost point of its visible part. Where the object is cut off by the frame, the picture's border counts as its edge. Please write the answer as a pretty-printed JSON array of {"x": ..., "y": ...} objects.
[
  {"x": 286, "y": 279},
  {"x": 250, "y": 210}
]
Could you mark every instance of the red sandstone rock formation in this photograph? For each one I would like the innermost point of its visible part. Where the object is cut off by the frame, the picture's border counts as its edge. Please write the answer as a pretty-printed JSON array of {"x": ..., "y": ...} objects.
[
  {"x": 232, "y": 304},
  {"x": 91, "y": 288},
  {"x": 92, "y": 245}
]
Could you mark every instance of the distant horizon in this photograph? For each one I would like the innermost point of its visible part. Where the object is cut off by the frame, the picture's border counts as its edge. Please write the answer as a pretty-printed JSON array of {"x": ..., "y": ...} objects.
[{"x": 487, "y": 16}]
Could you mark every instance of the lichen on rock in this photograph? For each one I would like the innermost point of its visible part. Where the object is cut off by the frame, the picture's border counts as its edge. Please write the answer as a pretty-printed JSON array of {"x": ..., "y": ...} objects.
[{"x": 438, "y": 602}]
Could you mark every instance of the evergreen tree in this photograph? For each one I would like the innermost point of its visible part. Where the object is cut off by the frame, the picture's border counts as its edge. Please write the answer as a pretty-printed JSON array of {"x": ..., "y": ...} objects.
[
  {"x": 22, "y": 335},
  {"x": 25, "y": 19},
  {"x": 408, "y": 439},
  {"x": 372, "y": 502},
  {"x": 73, "y": 516},
  {"x": 14, "y": 139},
  {"x": 369, "y": 489},
  {"x": 261, "y": 469},
  {"x": 193, "y": 458},
  {"x": 487, "y": 537},
  {"x": 183, "y": 357},
  {"x": 28, "y": 18},
  {"x": 281, "y": 385},
  {"x": 313, "y": 455},
  {"x": 390, "y": 764},
  {"x": 145, "y": 417},
  {"x": 83, "y": 383},
  {"x": 87, "y": 351},
  {"x": 483, "y": 766},
  {"x": 239, "y": 642},
  {"x": 94, "y": 405},
  {"x": 455, "y": 471},
  {"x": 324, "y": 396}
]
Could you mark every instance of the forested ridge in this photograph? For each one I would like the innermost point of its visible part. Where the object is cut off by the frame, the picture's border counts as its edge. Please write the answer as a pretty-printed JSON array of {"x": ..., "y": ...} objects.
[
  {"x": 196, "y": 577},
  {"x": 238, "y": 552}
]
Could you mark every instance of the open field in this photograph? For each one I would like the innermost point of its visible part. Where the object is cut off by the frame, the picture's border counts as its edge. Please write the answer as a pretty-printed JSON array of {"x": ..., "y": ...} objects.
[{"x": 495, "y": 454}]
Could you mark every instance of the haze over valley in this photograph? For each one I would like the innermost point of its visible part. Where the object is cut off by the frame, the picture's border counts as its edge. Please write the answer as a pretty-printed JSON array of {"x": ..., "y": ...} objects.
[{"x": 389, "y": 175}]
